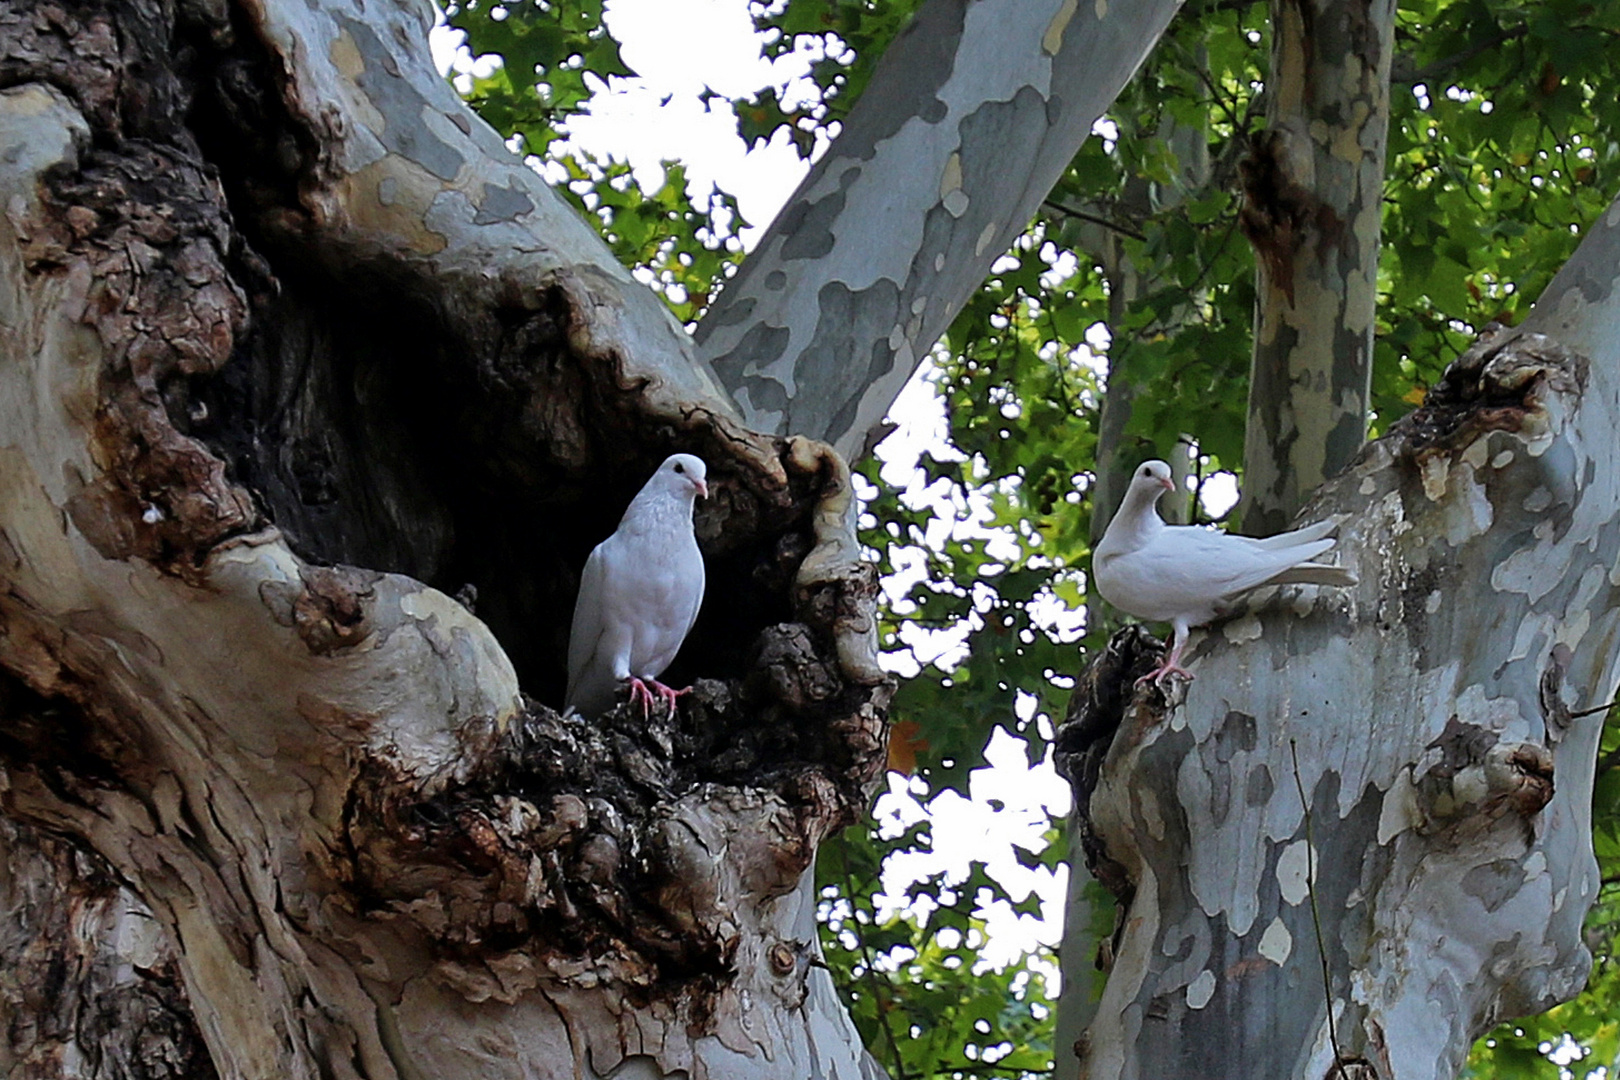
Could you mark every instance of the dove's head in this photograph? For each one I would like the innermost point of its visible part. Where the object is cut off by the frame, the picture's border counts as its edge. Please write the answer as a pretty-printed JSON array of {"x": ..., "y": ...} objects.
[
  {"x": 683, "y": 473},
  {"x": 1153, "y": 476}
]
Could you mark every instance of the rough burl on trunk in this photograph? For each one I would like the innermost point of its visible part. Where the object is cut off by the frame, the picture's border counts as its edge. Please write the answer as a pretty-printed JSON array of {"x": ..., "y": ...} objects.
[{"x": 295, "y": 353}]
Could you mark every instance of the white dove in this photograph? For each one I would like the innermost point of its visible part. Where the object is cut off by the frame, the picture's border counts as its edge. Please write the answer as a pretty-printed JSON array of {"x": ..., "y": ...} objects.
[
  {"x": 1186, "y": 575},
  {"x": 639, "y": 594}
]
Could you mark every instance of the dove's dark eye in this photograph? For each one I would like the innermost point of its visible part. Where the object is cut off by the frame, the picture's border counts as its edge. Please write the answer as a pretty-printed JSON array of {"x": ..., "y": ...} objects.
[{"x": 679, "y": 467}]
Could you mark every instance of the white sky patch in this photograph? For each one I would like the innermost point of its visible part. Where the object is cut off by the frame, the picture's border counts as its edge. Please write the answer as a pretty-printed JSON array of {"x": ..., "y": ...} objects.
[
  {"x": 1008, "y": 803},
  {"x": 677, "y": 48},
  {"x": 1219, "y": 495}
]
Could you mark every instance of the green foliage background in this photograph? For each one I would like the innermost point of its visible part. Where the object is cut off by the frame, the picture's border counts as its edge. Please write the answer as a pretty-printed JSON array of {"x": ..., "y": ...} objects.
[{"x": 1504, "y": 144}]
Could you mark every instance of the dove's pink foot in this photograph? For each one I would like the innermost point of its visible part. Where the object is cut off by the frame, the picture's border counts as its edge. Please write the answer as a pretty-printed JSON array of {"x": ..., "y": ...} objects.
[
  {"x": 1164, "y": 671},
  {"x": 668, "y": 694},
  {"x": 1171, "y": 664},
  {"x": 641, "y": 695}
]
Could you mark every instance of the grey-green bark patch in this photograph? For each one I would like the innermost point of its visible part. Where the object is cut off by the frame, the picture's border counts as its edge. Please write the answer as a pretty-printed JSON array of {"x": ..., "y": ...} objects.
[
  {"x": 502, "y": 204},
  {"x": 401, "y": 105},
  {"x": 1494, "y": 883}
]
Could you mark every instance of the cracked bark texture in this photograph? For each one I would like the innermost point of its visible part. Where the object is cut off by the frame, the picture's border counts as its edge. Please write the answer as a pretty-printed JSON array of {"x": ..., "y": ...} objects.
[
  {"x": 1446, "y": 770},
  {"x": 295, "y": 351},
  {"x": 969, "y": 119},
  {"x": 1313, "y": 193}
]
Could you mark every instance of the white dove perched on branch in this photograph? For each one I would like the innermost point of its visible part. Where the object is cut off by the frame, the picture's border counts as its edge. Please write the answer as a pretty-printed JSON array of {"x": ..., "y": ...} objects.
[
  {"x": 1186, "y": 575},
  {"x": 639, "y": 594}
]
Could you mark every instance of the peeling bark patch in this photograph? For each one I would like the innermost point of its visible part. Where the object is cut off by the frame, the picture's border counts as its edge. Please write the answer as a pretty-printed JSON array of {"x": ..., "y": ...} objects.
[
  {"x": 152, "y": 229},
  {"x": 1237, "y": 733},
  {"x": 820, "y": 402},
  {"x": 502, "y": 204},
  {"x": 911, "y": 91},
  {"x": 89, "y": 978},
  {"x": 1502, "y": 381},
  {"x": 809, "y": 233},
  {"x": 331, "y": 611},
  {"x": 1278, "y": 210},
  {"x": 760, "y": 347},
  {"x": 1260, "y": 786},
  {"x": 99, "y": 54}
]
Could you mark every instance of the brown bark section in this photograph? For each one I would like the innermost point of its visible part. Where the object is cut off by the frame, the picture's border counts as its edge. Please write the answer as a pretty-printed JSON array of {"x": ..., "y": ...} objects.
[{"x": 88, "y": 984}]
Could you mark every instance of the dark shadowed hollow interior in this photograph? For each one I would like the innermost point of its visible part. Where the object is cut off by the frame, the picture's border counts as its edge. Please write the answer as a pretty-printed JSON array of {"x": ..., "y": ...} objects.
[{"x": 378, "y": 429}]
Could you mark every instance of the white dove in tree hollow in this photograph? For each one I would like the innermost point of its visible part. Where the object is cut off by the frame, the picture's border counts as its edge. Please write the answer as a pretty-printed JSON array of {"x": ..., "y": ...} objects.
[
  {"x": 1186, "y": 575},
  {"x": 639, "y": 594}
]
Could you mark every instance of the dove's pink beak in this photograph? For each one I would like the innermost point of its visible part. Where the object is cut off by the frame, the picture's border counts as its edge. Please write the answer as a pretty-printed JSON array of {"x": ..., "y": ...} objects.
[
  {"x": 1169, "y": 485},
  {"x": 702, "y": 488}
]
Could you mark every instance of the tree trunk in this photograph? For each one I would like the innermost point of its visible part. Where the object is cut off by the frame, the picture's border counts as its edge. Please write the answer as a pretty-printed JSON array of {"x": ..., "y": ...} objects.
[
  {"x": 1313, "y": 190},
  {"x": 294, "y": 351},
  {"x": 969, "y": 119},
  {"x": 1388, "y": 787}
]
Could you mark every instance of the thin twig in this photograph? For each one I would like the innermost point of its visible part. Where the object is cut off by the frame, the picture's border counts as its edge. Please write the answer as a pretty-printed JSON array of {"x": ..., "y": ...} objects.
[
  {"x": 1095, "y": 219},
  {"x": 1594, "y": 710},
  {"x": 1440, "y": 67},
  {"x": 1316, "y": 916},
  {"x": 879, "y": 996},
  {"x": 984, "y": 1068}
]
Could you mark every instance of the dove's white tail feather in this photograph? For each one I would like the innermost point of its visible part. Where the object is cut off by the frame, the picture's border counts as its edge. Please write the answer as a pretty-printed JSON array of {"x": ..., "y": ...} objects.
[
  {"x": 1299, "y": 536},
  {"x": 1314, "y": 574}
]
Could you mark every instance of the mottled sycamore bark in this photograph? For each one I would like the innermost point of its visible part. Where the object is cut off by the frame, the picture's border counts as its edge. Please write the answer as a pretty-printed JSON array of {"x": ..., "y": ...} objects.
[
  {"x": 1313, "y": 188},
  {"x": 295, "y": 352},
  {"x": 971, "y": 116},
  {"x": 1408, "y": 762}
]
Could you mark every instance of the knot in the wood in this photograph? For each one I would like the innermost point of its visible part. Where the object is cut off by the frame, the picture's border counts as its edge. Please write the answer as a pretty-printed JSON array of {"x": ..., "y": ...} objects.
[
  {"x": 1520, "y": 777},
  {"x": 1352, "y": 1069},
  {"x": 1280, "y": 209},
  {"x": 1478, "y": 775},
  {"x": 329, "y": 612},
  {"x": 1500, "y": 384}
]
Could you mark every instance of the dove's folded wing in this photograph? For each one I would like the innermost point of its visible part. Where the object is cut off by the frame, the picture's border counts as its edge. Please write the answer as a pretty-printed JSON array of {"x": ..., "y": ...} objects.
[
  {"x": 586, "y": 634},
  {"x": 1212, "y": 564},
  {"x": 1310, "y": 573}
]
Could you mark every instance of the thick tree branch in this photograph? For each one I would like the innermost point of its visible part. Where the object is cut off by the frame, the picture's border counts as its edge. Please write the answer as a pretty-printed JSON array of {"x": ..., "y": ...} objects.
[
  {"x": 296, "y": 351},
  {"x": 969, "y": 119}
]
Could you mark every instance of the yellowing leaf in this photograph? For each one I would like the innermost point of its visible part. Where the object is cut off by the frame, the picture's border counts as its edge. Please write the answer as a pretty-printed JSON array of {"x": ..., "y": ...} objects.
[{"x": 905, "y": 743}]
